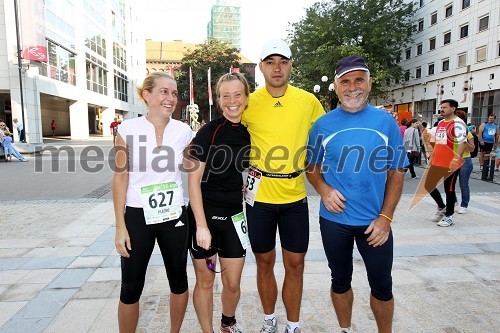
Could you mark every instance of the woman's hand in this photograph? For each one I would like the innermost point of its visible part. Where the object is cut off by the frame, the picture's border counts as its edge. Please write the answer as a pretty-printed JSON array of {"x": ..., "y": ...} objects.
[{"x": 122, "y": 242}]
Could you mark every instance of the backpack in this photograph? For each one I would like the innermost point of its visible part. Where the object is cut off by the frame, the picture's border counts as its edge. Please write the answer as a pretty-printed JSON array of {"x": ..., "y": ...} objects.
[{"x": 476, "y": 146}]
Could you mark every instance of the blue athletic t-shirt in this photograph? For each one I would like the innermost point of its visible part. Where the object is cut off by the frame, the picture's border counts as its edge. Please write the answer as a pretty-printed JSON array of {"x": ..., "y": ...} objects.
[
  {"x": 489, "y": 132},
  {"x": 356, "y": 150}
]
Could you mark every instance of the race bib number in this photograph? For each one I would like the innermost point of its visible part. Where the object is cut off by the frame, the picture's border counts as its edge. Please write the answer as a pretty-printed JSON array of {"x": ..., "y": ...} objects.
[
  {"x": 158, "y": 202},
  {"x": 441, "y": 136},
  {"x": 252, "y": 185},
  {"x": 240, "y": 224}
]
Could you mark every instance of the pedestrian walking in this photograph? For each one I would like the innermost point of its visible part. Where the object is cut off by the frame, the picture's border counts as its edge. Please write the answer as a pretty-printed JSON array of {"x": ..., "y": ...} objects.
[
  {"x": 113, "y": 128},
  {"x": 412, "y": 145},
  {"x": 278, "y": 118},
  {"x": 359, "y": 192},
  {"x": 216, "y": 159},
  {"x": 53, "y": 127},
  {"x": 466, "y": 168},
  {"x": 487, "y": 134},
  {"x": 149, "y": 202},
  {"x": 20, "y": 129}
]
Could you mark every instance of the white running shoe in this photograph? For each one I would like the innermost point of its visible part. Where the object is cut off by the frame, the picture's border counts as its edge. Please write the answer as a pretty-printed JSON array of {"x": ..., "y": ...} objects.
[
  {"x": 269, "y": 327},
  {"x": 447, "y": 221},
  {"x": 462, "y": 210},
  {"x": 439, "y": 215}
]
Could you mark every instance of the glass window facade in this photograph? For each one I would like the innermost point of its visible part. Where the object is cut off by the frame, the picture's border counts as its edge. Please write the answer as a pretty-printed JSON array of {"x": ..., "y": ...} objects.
[
  {"x": 432, "y": 43},
  {"x": 119, "y": 56},
  {"x": 97, "y": 75},
  {"x": 462, "y": 60},
  {"x": 485, "y": 103},
  {"x": 121, "y": 86},
  {"x": 481, "y": 53},
  {"x": 60, "y": 65},
  {"x": 484, "y": 23}
]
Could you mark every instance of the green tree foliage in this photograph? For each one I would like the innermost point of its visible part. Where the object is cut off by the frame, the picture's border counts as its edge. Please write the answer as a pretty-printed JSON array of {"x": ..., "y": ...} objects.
[
  {"x": 376, "y": 29},
  {"x": 217, "y": 55}
]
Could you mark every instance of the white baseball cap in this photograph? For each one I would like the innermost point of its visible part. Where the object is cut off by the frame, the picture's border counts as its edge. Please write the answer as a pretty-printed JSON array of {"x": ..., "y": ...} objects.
[{"x": 275, "y": 46}]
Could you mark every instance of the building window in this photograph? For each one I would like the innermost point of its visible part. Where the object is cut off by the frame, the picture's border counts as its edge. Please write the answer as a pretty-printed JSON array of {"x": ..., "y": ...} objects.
[
  {"x": 483, "y": 23},
  {"x": 430, "y": 70},
  {"x": 407, "y": 75},
  {"x": 449, "y": 10},
  {"x": 119, "y": 56},
  {"x": 97, "y": 75},
  {"x": 465, "y": 4},
  {"x": 481, "y": 54},
  {"x": 419, "y": 49},
  {"x": 61, "y": 64},
  {"x": 422, "y": 3},
  {"x": 446, "y": 65},
  {"x": 398, "y": 58},
  {"x": 420, "y": 24},
  {"x": 408, "y": 53},
  {"x": 464, "y": 31},
  {"x": 447, "y": 38},
  {"x": 462, "y": 60},
  {"x": 418, "y": 72},
  {"x": 498, "y": 49},
  {"x": 121, "y": 86},
  {"x": 434, "y": 18},
  {"x": 483, "y": 104},
  {"x": 432, "y": 43}
]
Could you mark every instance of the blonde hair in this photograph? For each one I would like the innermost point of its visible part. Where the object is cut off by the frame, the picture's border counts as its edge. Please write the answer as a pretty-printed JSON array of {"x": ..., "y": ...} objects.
[
  {"x": 231, "y": 77},
  {"x": 150, "y": 82}
]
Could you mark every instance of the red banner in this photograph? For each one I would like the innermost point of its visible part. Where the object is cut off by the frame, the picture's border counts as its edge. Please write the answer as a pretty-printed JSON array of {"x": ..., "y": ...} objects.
[{"x": 37, "y": 53}]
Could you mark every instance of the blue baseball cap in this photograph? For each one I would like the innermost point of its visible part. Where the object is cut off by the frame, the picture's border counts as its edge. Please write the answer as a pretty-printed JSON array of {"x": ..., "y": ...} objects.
[{"x": 349, "y": 64}]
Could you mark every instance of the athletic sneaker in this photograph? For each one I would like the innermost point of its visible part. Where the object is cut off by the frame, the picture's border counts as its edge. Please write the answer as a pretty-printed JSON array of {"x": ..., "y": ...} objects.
[
  {"x": 234, "y": 328},
  {"x": 414, "y": 177},
  {"x": 446, "y": 221},
  {"x": 462, "y": 210},
  {"x": 296, "y": 330},
  {"x": 269, "y": 327},
  {"x": 346, "y": 330},
  {"x": 439, "y": 215}
]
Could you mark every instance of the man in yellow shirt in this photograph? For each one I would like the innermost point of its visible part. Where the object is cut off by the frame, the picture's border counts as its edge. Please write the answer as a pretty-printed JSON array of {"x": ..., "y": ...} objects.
[{"x": 279, "y": 117}]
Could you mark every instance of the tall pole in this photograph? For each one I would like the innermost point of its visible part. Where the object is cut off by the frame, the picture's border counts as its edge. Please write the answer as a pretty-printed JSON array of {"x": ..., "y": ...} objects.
[{"x": 19, "y": 65}]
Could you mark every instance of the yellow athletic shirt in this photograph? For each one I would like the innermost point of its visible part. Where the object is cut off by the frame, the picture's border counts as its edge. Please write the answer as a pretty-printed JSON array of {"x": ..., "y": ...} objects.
[{"x": 279, "y": 127}]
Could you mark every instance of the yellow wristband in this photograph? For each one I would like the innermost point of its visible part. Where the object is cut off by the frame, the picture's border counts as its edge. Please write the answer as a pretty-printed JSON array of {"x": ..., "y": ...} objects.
[{"x": 387, "y": 217}]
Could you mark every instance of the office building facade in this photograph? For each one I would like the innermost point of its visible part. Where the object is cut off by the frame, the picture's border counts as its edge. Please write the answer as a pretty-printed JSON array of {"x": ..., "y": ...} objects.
[
  {"x": 455, "y": 54},
  {"x": 225, "y": 22},
  {"x": 81, "y": 61}
]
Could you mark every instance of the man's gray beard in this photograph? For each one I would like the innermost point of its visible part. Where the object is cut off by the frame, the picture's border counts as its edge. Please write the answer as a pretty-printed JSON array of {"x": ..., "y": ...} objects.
[{"x": 357, "y": 106}]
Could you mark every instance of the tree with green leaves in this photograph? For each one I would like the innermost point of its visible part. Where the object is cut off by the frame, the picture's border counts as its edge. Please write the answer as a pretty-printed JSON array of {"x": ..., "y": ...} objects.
[
  {"x": 376, "y": 29},
  {"x": 217, "y": 55}
]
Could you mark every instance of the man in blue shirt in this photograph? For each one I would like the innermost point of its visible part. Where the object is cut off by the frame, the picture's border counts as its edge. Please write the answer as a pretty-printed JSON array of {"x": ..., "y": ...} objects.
[{"x": 355, "y": 162}]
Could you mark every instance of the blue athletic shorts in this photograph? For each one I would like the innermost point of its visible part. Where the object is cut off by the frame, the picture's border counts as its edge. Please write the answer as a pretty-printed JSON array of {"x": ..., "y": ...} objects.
[
  {"x": 338, "y": 242},
  {"x": 291, "y": 219}
]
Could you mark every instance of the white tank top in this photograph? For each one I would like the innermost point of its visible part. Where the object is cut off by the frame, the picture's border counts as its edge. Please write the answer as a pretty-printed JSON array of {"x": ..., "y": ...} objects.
[{"x": 149, "y": 164}]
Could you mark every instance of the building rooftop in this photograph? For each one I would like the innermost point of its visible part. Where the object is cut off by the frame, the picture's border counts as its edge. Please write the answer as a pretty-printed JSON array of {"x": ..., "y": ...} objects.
[{"x": 174, "y": 51}]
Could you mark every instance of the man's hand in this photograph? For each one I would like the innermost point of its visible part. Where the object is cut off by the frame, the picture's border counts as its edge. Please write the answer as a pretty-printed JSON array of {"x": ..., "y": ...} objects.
[
  {"x": 333, "y": 200},
  {"x": 379, "y": 231}
]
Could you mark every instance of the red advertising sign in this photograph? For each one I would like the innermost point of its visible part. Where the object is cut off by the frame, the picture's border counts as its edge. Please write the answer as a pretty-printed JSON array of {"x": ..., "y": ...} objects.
[{"x": 37, "y": 53}]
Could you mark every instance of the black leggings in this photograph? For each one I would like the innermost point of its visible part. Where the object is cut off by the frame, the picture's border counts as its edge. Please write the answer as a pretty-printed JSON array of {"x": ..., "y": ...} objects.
[
  {"x": 338, "y": 241},
  {"x": 172, "y": 238},
  {"x": 434, "y": 174}
]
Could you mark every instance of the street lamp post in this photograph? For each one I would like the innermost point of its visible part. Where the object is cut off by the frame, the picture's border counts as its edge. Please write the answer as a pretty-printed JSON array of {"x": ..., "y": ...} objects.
[{"x": 324, "y": 99}]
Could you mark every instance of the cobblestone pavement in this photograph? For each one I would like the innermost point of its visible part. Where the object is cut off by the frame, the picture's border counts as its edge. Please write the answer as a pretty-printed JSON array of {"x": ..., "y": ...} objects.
[{"x": 59, "y": 272}]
